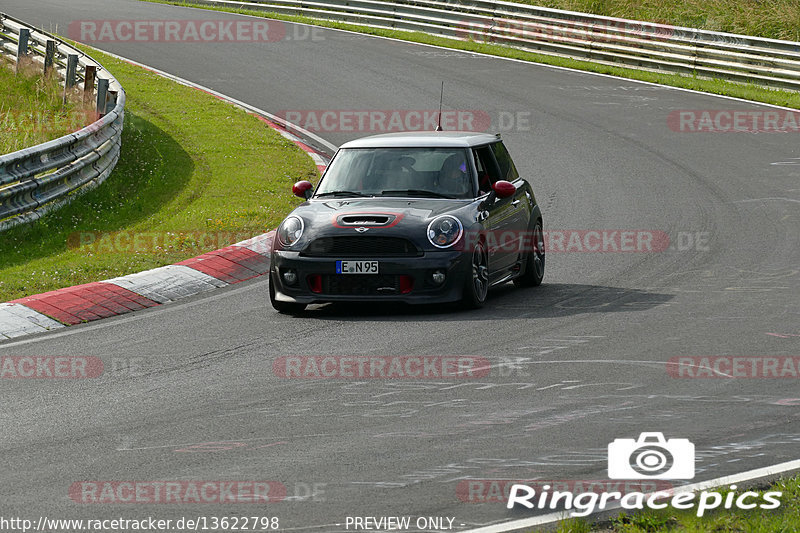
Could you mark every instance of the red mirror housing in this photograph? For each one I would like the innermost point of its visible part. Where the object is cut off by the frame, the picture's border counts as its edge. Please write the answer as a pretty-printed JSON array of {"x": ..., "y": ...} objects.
[
  {"x": 303, "y": 189},
  {"x": 504, "y": 189}
]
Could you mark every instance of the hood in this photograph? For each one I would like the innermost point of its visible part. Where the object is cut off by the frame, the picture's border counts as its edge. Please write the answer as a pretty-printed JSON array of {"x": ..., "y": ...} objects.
[{"x": 388, "y": 217}]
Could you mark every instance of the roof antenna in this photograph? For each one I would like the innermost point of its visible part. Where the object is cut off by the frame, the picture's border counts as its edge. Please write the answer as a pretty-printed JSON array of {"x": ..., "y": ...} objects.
[{"x": 439, "y": 120}]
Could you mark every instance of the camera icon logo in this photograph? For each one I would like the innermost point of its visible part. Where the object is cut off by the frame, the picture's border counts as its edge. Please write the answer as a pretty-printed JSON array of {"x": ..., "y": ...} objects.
[{"x": 651, "y": 457}]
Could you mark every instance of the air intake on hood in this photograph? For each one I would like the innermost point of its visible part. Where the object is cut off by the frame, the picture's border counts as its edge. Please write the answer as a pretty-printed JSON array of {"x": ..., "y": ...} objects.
[{"x": 365, "y": 219}]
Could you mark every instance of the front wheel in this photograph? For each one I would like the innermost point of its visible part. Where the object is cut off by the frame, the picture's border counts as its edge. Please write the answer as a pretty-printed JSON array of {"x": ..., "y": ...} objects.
[
  {"x": 477, "y": 283},
  {"x": 534, "y": 261},
  {"x": 288, "y": 308}
]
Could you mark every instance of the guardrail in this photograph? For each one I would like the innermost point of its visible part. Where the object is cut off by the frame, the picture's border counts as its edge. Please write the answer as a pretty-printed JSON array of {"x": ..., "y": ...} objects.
[
  {"x": 606, "y": 40},
  {"x": 38, "y": 179}
]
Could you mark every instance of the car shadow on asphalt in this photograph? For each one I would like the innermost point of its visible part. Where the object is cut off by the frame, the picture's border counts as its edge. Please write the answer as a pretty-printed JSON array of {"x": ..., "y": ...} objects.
[{"x": 550, "y": 300}]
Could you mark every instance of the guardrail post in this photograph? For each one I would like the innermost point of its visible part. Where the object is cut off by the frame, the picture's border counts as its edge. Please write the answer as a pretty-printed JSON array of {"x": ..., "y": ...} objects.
[
  {"x": 49, "y": 55},
  {"x": 72, "y": 71},
  {"x": 102, "y": 93},
  {"x": 111, "y": 101},
  {"x": 88, "y": 82},
  {"x": 22, "y": 45},
  {"x": 71, "y": 76}
]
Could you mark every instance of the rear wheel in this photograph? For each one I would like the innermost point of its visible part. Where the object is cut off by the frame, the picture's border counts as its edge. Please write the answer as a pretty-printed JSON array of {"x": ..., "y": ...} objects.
[
  {"x": 476, "y": 286},
  {"x": 534, "y": 260},
  {"x": 289, "y": 308}
]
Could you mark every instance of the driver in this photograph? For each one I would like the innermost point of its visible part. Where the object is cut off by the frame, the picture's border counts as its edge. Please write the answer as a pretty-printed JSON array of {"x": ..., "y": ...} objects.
[{"x": 453, "y": 178}]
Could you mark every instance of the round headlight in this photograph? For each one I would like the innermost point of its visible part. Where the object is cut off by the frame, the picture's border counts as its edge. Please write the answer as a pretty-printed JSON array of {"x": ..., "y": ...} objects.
[
  {"x": 291, "y": 230},
  {"x": 444, "y": 231}
]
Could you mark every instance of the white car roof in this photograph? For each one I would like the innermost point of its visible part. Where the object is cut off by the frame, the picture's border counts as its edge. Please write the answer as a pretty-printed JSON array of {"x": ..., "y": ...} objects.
[{"x": 424, "y": 139}]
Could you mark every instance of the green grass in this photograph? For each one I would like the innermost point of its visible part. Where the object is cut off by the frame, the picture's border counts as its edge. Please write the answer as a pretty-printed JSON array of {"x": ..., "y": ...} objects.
[
  {"x": 746, "y": 91},
  {"x": 32, "y": 109},
  {"x": 785, "y": 519},
  {"x": 190, "y": 164},
  {"x": 775, "y": 19}
]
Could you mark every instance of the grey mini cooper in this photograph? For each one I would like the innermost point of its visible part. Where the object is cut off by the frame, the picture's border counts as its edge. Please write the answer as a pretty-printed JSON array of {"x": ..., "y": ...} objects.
[{"x": 423, "y": 217}]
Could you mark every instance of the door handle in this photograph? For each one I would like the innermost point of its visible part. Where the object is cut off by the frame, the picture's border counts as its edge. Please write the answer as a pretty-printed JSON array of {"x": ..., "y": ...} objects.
[{"x": 515, "y": 203}]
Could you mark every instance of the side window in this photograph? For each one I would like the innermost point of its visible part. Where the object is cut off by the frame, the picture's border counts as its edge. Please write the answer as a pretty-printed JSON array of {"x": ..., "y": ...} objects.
[
  {"x": 488, "y": 173},
  {"x": 507, "y": 168}
]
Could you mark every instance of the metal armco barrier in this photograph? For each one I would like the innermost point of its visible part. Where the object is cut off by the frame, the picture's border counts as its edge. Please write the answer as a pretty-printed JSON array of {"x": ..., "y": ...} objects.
[
  {"x": 38, "y": 179},
  {"x": 607, "y": 40}
]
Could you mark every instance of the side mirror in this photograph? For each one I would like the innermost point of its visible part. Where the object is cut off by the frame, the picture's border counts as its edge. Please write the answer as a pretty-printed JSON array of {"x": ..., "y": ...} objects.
[
  {"x": 504, "y": 188},
  {"x": 304, "y": 189}
]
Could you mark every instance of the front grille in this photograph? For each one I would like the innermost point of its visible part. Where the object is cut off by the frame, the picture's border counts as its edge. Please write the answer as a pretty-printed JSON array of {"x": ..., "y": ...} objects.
[
  {"x": 360, "y": 285},
  {"x": 359, "y": 246}
]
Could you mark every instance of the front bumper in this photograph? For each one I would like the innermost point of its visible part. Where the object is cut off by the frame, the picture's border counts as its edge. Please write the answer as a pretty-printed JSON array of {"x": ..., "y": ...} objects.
[{"x": 362, "y": 287}]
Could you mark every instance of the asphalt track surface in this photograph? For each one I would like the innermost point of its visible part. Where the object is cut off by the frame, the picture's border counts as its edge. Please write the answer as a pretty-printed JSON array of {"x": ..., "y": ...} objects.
[{"x": 591, "y": 344}]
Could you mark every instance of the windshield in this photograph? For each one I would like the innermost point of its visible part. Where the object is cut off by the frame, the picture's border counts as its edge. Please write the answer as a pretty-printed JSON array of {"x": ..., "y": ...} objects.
[{"x": 423, "y": 172}]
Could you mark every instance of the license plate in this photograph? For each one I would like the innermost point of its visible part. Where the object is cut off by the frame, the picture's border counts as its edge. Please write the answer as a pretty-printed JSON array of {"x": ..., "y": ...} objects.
[{"x": 356, "y": 267}]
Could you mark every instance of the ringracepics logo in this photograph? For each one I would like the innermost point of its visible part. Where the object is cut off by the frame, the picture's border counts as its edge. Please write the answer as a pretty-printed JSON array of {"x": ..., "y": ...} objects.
[
  {"x": 650, "y": 457},
  {"x": 587, "y": 503}
]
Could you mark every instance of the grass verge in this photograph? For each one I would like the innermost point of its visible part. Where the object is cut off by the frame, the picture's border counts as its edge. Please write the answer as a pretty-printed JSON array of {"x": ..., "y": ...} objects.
[
  {"x": 195, "y": 174},
  {"x": 746, "y": 91},
  {"x": 784, "y": 519},
  {"x": 776, "y": 19},
  {"x": 32, "y": 109}
]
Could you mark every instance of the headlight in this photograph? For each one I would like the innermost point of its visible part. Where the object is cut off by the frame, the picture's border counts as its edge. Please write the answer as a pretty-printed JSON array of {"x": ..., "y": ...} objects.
[
  {"x": 444, "y": 231},
  {"x": 290, "y": 231}
]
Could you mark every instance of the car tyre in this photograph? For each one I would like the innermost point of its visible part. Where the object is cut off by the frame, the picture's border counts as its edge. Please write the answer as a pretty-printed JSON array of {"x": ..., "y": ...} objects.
[
  {"x": 534, "y": 260},
  {"x": 476, "y": 286},
  {"x": 287, "y": 308}
]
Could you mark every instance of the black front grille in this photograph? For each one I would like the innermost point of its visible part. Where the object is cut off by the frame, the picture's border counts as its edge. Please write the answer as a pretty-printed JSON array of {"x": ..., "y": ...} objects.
[
  {"x": 360, "y": 285},
  {"x": 360, "y": 246}
]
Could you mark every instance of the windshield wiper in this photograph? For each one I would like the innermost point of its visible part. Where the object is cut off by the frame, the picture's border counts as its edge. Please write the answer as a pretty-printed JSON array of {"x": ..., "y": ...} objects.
[
  {"x": 418, "y": 192},
  {"x": 348, "y": 193}
]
